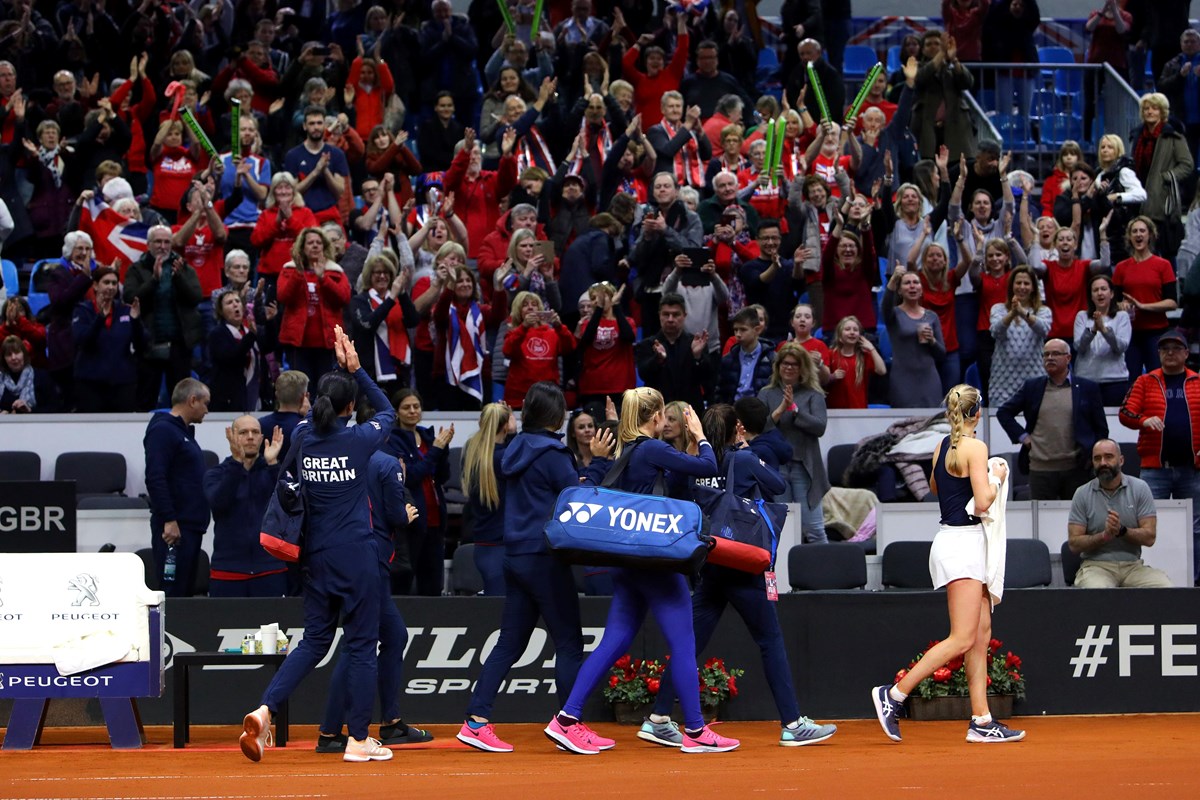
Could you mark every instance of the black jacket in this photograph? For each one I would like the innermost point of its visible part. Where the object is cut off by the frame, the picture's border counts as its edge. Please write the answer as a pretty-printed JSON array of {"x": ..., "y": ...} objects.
[{"x": 1087, "y": 412}]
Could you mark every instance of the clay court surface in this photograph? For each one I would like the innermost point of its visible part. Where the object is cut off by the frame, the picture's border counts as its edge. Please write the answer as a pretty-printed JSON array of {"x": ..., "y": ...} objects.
[{"x": 1141, "y": 756}]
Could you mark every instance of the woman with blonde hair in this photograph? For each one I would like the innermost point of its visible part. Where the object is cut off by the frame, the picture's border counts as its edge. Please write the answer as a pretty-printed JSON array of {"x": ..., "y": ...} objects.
[
  {"x": 675, "y": 431},
  {"x": 380, "y": 315},
  {"x": 175, "y": 165},
  {"x": 636, "y": 591},
  {"x": 797, "y": 404},
  {"x": 461, "y": 320},
  {"x": 848, "y": 358},
  {"x": 1118, "y": 187},
  {"x": 313, "y": 294},
  {"x": 1019, "y": 327},
  {"x": 280, "y": 222},
  {"x": 918, "y": 346},
  {"x": 535, "y": 340},
  {"x": 1162, "y": 161},
  {"x": 485, "y": 492},
  {"x": 527, "y": 270},
  {"x": 958, "y": 561}
]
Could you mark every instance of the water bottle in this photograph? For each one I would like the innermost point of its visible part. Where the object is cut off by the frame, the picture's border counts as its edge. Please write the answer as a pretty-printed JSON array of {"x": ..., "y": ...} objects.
[{"x": 169, "y": 566}]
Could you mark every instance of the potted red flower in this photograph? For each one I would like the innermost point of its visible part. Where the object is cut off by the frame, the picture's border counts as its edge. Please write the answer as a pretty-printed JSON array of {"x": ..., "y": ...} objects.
[
  {"x": 944, "y": 694},
  {"x": 632, "y": 686},
  {"x": 717, "y": 684}
]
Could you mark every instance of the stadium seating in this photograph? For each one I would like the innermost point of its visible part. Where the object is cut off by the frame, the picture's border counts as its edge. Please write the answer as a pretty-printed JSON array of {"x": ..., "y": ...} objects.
[
  {"x": 1026, "y": 564},
  {"x": 814, "y": 567},
  {"x": 858, "y": 61},
  {"x": 20, "y": 465},
  {"x": 1070, "y": 564},
  {"x": 1058, "y": 128},
  {"x": 464, "y": 576},
  {"x": 906, "y": 565},
  {"x": 836, "y": 462},
  {"x": 94, "y": 473},
  {"x": 12, "y": 281}
]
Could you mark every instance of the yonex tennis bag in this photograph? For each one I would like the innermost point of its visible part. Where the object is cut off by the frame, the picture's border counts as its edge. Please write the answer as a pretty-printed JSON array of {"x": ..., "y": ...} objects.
[{"x": 744, "y": 537}]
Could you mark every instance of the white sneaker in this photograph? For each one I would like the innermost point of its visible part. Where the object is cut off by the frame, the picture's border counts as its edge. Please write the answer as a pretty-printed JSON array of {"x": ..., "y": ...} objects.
[
  {"x": 256, "y": 733},
  {"x": 367, "y": 750}
]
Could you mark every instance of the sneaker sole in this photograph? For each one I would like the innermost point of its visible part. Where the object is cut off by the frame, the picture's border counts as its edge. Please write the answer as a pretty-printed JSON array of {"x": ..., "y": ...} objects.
[
  {"x": 879, "y": 715},
  {"x": 567, "y": 744},
  {"x": 358, "y": 757},
  {"x": 252, "y": 729},
  {"x": 803, "y": 742},
  {"x": 479, "y": 745},
  {"x": 976, "y": 739},
  {"x": 708, "y": 748},
  {"x": 646, "y": 736}
]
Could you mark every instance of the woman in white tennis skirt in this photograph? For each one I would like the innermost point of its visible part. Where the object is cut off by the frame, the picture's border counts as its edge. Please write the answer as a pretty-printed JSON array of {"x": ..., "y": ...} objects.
[{"x": 957, "y": 561}]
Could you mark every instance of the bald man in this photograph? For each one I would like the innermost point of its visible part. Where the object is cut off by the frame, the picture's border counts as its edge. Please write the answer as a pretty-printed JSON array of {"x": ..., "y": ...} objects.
[{"x": 238, "y": 490}]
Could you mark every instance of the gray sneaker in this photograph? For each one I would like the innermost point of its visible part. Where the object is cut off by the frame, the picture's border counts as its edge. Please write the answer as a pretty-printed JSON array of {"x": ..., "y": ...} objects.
[
  {"x": 805, "y": 732},
  {"x": 665, "y": 733}
]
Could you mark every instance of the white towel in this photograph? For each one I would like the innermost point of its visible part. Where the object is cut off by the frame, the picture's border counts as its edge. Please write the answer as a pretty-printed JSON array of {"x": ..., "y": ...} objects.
[{"x": 995, "y": 532}]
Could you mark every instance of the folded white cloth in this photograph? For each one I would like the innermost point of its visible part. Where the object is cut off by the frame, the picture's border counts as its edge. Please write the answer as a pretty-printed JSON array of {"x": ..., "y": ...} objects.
[
  {"x": 90, "y": 651},
  {"x": 995, "y": 531}
]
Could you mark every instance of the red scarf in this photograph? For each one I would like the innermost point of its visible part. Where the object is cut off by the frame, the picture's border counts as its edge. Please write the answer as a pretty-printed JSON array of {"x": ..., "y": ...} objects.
[
  {"x": 602, "y": 142},
  {"x": 1143, "y": 151},
  {"x": 687, "y": 160}
]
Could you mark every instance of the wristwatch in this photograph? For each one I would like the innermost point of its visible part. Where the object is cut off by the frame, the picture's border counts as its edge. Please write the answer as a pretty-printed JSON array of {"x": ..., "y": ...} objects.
[{"x": 1124, "y": 530}]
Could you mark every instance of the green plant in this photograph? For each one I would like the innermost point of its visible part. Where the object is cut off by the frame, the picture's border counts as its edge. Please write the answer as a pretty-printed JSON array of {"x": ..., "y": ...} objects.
[
  {"x": 635, "y": 682},
  {"x": 717, "y": 683},
  {"x": 1003, "y": 675}
]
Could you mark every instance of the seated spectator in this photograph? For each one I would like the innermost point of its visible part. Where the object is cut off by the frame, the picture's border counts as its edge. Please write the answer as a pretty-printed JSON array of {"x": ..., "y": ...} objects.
[
  {"x": 1019, "y": 327},
  {"x": 605, "y": 347},
  {"x": 22, "y": 388},
  {"x": 1112, "y": 518},
  {"x": 746, "y": 369},
  {"x": 1102, "y": 334},
  {"x": 313, "y": 295},
  {"x": 18, "y": 320},
  {"x": 798, "y": 409},
  {"x": 235, "y": 349},
  {"x": 847, "y": 362},
  {"x": 917, "y": 341},
  {"x": 911, "y": 46},
  {"x": 238, "y": 490},
  {"x": 109, "y": 337},
  {"x": 535, "y": 341}
]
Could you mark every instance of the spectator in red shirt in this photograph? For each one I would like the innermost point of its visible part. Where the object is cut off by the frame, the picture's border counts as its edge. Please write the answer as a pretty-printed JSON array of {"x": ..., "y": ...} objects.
[
  {"x": 847, "y": 362},
  {"x": 964, "y": 21},
  {"x": 1109, "y": 27},
  {"x": 1148, "y": 283},
  {"x": 651, "y": 85},
  {"x": 19, "y": 322},
  {"x": 803, "y": 322},
  {"x": 477, "y": 194},
  {"x": 368, "y": 89},
  {"x": 313, "y": 292},
  {"x": 284, "y": 217},
  {"x": 1066, "y": 281},
  {"x": 535, "y": 340},
  {"x": 606, "y": 343},
  {"x": 174, "y": 167}
]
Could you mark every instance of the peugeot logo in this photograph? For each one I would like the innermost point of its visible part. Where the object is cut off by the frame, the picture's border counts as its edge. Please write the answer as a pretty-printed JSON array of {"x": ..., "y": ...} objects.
[{"x": 85, "y": 584}]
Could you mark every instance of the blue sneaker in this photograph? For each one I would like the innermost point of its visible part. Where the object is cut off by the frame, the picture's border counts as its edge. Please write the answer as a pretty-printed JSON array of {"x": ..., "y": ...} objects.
[
  {"x": 993, "y": 732},
  {"x": 888, "y": 711},
  {"x": 664, "y": 733},
  {"x": 805, "y": 732}
]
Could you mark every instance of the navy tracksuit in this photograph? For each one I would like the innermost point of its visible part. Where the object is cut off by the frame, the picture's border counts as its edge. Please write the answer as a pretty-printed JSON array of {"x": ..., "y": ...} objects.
[
  {"x": 536, "y": 467},
  {"x": 426, "y": 547},
  {"x": 385, "y": 488},
  {"x": 487, "y": 527},
  {"x": 174, "y": 472},
  {"x": 772, "y": 449},
  {"x": 287, "y": 420},
  {"x": 238, "y": 498},
  {"x": 747, "y": 594},
  {"x": 339, "y": 549}
]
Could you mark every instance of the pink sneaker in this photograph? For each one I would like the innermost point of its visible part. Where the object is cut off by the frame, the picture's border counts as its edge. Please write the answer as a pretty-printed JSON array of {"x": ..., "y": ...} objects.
[
  {"x": 256, "y": 733},
  {"x": 601, "y": 742},
  {"x": 484, "y": 738},
  {"x": 574, "y": 738},
  {"x": 708, "y": 741}
]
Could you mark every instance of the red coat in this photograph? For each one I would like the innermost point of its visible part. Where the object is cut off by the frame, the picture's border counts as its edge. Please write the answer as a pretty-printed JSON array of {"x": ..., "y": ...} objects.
[
  {"x": 274, "y": 236},
  {"x": 647, "y": 91},
  {"x": 533, "y": 354},
  {"x": 135, "y": 117},
  {"x": 1148, "y": 398},
  {"x": 477, "y": 200},
  {"x": 263, "y": 80},
  {"x": 333, "y": 295},
  {"x": 34, "y": 336},
  {"x": 493, "y": 251},
  {"x": 369, "y": 106},
  {"x": 398, "y": 160}
]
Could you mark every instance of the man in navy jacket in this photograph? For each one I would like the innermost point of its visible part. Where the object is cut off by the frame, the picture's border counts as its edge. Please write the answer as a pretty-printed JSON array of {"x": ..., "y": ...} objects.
[
  {"x": 174, "y": 475},
  {"x": 1055, "y": 454},
  {"x": 238, "y": 490}
]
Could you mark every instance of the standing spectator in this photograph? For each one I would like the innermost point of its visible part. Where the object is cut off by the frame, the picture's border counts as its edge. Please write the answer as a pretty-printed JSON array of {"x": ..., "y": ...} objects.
[
  {"x": 321, "y": 168},
  {"x": 251, "y": 174},
  {"x": 1102, "y": 334},
  {"x": 917, "y": 344},
  {"x": 663, "y": 226},
  {"x": 368, "y": 90},
  {"x": 850, "y": 273},
  {"x": 1071, "y": 413},
  {"x": 535, "y": 341},
  {"x": 481, "y": 482},
  {"x": 1109, "y": 27},
  {"x": 1069, "y": 154},
  {"x": 1164, "y": 19},
  {"x": 704, "y": 294},
  {"x": 590, "y": 259},
  {"x": 846, "y": 364},
  {"x": 1147, "y": 285},
  {"x": 1162, "y": 162},
  {"x": 22, "y": 388},
  {"x": 477, "y": 194},
  {"x": 1066, "y": 279},
  {"x": 605, "y": 347},
  {"x": 835, "y": 17},
  {"x": 108, "y": 339},
  {"x": 179, "y": 511},
  {"x": 650, "y": 86},
  {"x": 989, "y": 277},
  {"x": 1119, "y": 190},
  {"x": 437, "y": 135},
  {"x": 746, "y": 368},
  {"x": 1180, "y": 82},
  {"x": 174, "y": 168},
  {"x": 938, "y": 286},
  {"x": 797, "y": 405},
  {"x": 449, "y": 46},
  {"x": 55, "y": 170},
  {"x": 280, "y": 222},
  {"x": 169, "y": 291},
  {"x": 939, "y": 113},
  {"x": 18, "y": 320},
  {"x": 1019, "y": 327},
  {"x": 461, "y": 319},
  {"x": 291, "y": 405},
  {"x": 708, "y": 86},
  {"x": 314, "y": 293},
  {"x": 773, "y": 281},
  {"x": 1010, "y": 26},
  {"x": 964, "y": 21},
  {"x": 679, "y": 142},
  {"x": 69, "y": 282},
  {"x": 234, "y": 349},
  {"x": 1163, "y": 406},
  {"x": 390, "y": 154},
  {"x": 381, "y": 314},
  {"x": 672, "y": 362},
  {"x": 799, "y": 20},
  {"x": 238, "y": 490},
  {"x": 831, "y": 81}
]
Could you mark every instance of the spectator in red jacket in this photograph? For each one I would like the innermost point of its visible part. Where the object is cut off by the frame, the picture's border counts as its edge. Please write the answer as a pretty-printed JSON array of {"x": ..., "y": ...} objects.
[
  {"x": 279, "y": 224},
  {"x": 535, "y": 340},
  {"x": 314, "y": 293},
  {"x": 174, "y": 167},
  {"x": 651, "y": 85},
  {"x": 606, "y": 340},
  {"x": 19, "y": 322},
  {"x": 368, "y": 89},
  {"x": 387, "y": 153},
  {"x": 493, "y": 251},
  {"x": 477, "y": 194}
]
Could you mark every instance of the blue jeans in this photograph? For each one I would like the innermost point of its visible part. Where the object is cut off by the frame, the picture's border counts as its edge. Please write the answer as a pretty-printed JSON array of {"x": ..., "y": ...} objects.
[
  {"x": 1142, "y": 353},
  {"x": 1179, "y": 483},
  {"x": 812, "y": 517},
  {"x": 747, "y": 594}
]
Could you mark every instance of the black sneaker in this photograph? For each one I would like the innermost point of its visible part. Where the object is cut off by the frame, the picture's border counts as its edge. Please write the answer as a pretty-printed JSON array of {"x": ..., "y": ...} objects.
[
  {"x": 331, "y": 744},
  {"x": 400, "y": 733},
  {"x": 888, "y": 711}
]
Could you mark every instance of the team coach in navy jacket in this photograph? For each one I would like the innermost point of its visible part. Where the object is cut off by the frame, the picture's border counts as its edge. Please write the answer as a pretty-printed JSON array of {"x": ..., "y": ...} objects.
[{"x": 1056, "y": 446}]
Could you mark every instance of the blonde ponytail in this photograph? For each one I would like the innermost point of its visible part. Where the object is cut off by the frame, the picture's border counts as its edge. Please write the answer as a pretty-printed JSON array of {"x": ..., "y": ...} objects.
[
  {"x": 478, "y": 467},
  {"x": 962, "y": 403},
  {"x": 638, "y": 406}
]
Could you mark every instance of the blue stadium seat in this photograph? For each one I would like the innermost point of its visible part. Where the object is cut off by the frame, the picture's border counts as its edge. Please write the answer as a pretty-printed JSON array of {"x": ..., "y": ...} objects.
[
  {"x": 858, "y": 60},
  {"x": 1057, "y": 128},
  {"x": 768, "y": 64},
  {"x": 38, "y": 298},
  {"x": 1054, "y": 55},
  {"x": 1015, "y": 131},
  {"x": 893, "y": 59},
  {"x": 12, "y": 282},
  {"x": 1045, "y": 102}
]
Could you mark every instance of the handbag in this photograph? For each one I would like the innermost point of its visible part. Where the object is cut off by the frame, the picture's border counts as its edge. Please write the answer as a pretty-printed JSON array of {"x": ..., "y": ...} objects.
[
  {"x": 285, "y": 520},
  {"x": 744, "y": 530},
  {"x": 604, "y": 527}
]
